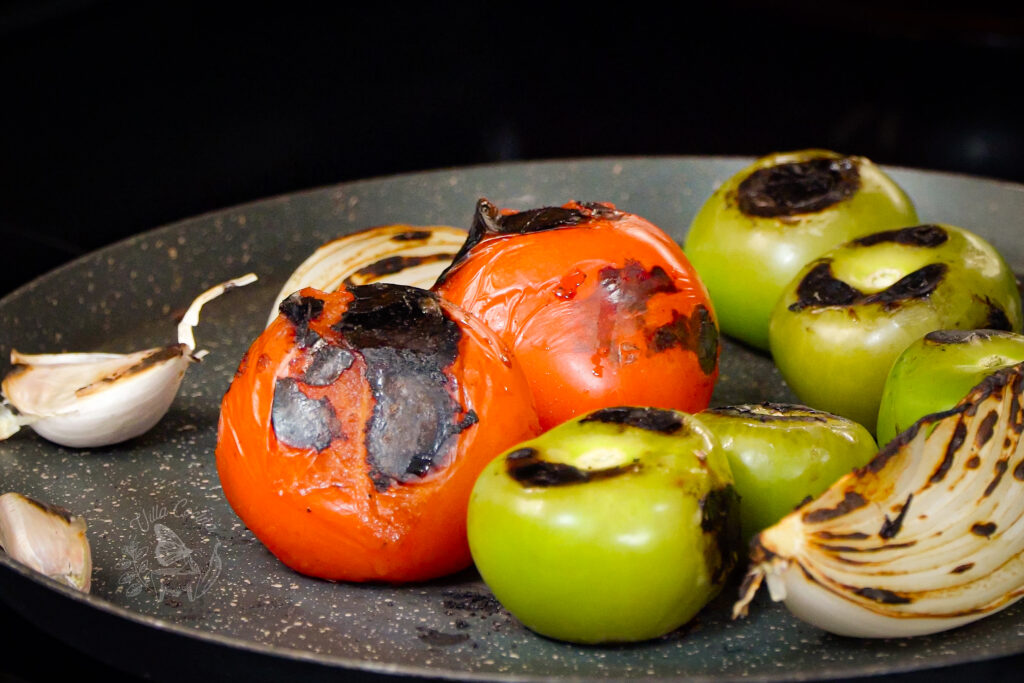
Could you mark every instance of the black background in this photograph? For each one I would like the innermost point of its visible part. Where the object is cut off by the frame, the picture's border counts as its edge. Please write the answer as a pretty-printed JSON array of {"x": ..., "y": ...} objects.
[{"x": 118, "y": 117}]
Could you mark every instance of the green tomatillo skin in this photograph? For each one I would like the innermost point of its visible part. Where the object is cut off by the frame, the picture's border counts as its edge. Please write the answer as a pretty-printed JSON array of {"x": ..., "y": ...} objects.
[
  {"x": 753, "y": 235},
  {"x": 618, "y": 526},
  {"x": 780, "y": 454},
  {"x": 936, "y": 371},
  {"x": 843, "y": 321}
]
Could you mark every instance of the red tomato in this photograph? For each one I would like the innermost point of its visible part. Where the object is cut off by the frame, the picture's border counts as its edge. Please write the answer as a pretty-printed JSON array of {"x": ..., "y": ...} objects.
[
  {"x": 356, "y": 426},
  {"x": 600, "y": 307}
]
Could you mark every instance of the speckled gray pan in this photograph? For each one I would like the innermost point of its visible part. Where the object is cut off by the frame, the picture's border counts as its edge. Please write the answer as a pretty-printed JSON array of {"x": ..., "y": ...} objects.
[{"x": 232, "y": 608}]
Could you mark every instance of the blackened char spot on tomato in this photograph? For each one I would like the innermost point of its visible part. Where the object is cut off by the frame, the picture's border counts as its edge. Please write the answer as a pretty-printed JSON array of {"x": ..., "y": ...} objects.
[
  {"x": 798, "y": 187},
  {"x": 892, "y": 527},
  {"x": 393, "y": 264},
  {"x": 719, "y": 516},
  {"x": 985, "y": 529},
  {"x": 944, "y": 337},
  {"x": 651, "y": 419},
  {"x": 820, "y": 288},
  {"x": 851, "y": 501},
  {"x": 955, "y": 442},
  {"x": 489, "y": 220},
  {"x": 407, "y": 341},
  {"x": 882, "y": 595},
  {"x": 927, "y": 236},
  {"x": 696, "y": 332},
  {"x": 917, "y": 285},
  {"x": 997, "y": 318},
  {"x": 768, "y": 411},
  {"x": 411, "y": 236},
  {"x": 300, "y": 421},
  {"x": 300, "y": 310},
  {"x": 327, "y": 363},
  {"x": 526, "y": 467},
  {"x": 631, "y": 286}
]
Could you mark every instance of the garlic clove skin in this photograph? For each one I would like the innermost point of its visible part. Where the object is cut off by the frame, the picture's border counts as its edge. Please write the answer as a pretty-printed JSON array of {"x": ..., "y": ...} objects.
[
  {"x": 86, "y": 400},
  {"x": 397, "y": 254},
  {"x": 47, "y": 539}
]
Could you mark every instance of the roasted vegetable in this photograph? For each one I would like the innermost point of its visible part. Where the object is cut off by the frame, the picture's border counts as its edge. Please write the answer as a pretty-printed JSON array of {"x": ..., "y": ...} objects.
[
  {"x": 356, "y": 425},
  {"x": 619, "y": 525},
  {"x": 599, "y": 306},
  {"x": 927, "y": 536}
]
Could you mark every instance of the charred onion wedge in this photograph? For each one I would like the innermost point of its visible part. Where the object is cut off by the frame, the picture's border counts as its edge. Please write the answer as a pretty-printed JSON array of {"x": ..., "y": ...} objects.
[
  {"x": 399, "y": 254},
  {"x": 926, "y": 537},
  {"x": 356, "y": 425}
]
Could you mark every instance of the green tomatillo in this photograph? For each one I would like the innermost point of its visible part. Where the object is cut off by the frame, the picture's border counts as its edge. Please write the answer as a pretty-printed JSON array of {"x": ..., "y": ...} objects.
[
  {"x": 936, "y": 371},
  {"x": 617, "y": 526},
  {"x": 845, "y": 318},
  {"x": 757, "y": 230},
  {"x": 781, "y": 454}
]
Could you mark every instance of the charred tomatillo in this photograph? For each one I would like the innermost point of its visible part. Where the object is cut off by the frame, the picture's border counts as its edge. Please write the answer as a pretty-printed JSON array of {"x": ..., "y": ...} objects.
[
  {"x": 780, "y": 454},
  {"x": 757, "y": 230},
  {"x": 845, "y": 318},
  {"x": 936, "y": 371},
  {"x": 616, "y": 526}
]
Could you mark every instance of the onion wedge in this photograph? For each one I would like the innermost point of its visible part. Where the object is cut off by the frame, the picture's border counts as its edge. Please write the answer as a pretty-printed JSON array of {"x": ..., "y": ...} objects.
[
  {"x": 928, "y": 536},
  {"x": 396, "y": 254}
]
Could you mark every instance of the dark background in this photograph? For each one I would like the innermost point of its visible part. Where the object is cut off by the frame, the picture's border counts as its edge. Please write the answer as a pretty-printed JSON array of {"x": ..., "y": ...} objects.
[{"x": 118, "y": 117}]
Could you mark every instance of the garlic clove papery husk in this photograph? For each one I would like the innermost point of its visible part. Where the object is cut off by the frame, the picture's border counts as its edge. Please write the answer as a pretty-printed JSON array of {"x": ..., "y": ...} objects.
[
  {"x": 84, "y": 400},
  {"x": 397, "y": 254},
  {"x": 47, "y": 539},
  {"x": 926, "y": 537}
]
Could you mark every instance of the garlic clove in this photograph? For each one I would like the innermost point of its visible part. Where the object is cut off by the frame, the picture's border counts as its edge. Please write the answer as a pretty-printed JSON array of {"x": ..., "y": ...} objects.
[
  {"x": 926, "y": 537},
  {"x": 47, "y": 539},
  {"x": 84, "y": 400},
  {"x": 397, "y": 254}
]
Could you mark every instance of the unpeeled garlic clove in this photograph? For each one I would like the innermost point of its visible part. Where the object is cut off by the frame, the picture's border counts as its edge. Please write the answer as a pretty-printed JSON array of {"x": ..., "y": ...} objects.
[
  {"x": 926, "y": 537},
  {"x": 396, "y": 254},
  {"x": 84, "y": 400},
  {"x": 47, "y": 539}
]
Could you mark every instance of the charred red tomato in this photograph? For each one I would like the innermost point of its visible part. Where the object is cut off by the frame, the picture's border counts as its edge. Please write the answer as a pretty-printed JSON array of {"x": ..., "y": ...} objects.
[
  {"x": 356, "y": 425},
  {"x": 600, "y": 307}
]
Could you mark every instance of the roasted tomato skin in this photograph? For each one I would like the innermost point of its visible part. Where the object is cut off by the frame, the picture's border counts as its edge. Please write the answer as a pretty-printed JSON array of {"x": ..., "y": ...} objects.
[
  {"x": 348, "y": 452},
  {"x": 600, "y": 307}
]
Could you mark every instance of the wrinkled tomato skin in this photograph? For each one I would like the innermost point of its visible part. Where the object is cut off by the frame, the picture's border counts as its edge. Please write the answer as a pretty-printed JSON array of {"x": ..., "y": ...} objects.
[
  {"x": 607, "y": 312},
  {"x": 320, "y": 511}
]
